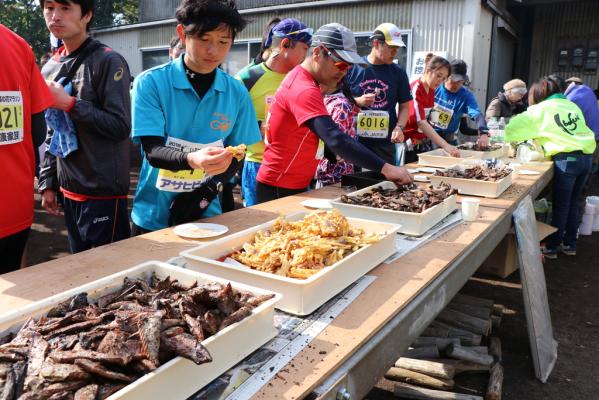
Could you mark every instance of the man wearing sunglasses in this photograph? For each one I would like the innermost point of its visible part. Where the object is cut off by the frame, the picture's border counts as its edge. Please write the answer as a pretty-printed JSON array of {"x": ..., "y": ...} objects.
[
  {"x": 379, "y": 88},
  {"x": 299, "y": 124},
  {"x": 289, "y": 41}
]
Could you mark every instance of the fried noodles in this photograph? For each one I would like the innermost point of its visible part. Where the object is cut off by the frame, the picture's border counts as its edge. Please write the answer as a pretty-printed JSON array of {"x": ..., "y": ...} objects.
[{"x": 301, "y": 249}]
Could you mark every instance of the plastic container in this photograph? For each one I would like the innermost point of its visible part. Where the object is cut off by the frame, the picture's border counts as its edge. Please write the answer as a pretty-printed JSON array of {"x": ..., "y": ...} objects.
[
  {"x": 300, "y": 296},
  {"x": 440, "y": 158},
  {"x": 594, "y": 202},
  {"x": 414, "y": 224},
  {"x": 475, "y": 187},
  {"x": 178, "y": 378}
]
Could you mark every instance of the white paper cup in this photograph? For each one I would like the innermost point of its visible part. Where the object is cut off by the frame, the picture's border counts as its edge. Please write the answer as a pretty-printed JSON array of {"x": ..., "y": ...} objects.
[{"x": 470, "y": 209}]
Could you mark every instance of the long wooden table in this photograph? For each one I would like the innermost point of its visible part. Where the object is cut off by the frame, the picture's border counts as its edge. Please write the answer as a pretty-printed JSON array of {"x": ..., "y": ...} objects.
[{"x": 360, "y": 344}]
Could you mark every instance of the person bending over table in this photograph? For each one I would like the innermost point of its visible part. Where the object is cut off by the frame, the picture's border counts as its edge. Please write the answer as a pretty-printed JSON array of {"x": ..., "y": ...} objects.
[
  {"x": 558, "y": 125},
  {"x": 418, "y": 129}
]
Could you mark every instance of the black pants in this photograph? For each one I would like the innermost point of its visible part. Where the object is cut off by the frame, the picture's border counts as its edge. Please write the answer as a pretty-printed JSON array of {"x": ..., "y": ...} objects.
[
  {"x": 94, "y": 223},
  {"x": 137, "y": 230},
  {"x": 266, "y": 193},
  {"x": 11, "y": 251}
]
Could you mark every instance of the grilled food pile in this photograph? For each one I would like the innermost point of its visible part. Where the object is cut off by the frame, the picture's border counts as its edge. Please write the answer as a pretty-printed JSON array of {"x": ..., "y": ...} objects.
[
  {"x": 301, "y": 249},
  {"x": 90, "y": 351},
  {"x": 477, "y": 147},
  {"x": 405, "y": 198},
  {"x": 478, "y": 172}
]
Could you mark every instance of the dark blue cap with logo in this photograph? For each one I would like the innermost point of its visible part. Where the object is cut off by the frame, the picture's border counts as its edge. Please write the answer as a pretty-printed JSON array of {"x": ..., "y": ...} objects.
[{"x": 292, "y": 29}]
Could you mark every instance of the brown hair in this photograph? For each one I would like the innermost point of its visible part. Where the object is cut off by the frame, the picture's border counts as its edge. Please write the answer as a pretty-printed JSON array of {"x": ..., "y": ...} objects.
[
  {"x": 543, "y": 88},
  {"x": 434, "y": 63}
]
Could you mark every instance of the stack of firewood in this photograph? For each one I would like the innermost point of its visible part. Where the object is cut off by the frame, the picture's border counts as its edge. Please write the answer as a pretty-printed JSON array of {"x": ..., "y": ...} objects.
[{"x": 458, "y": 341}]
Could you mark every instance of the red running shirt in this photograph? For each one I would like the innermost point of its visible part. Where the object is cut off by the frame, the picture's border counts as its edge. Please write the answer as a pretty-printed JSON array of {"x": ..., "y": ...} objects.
[
  {"x": 290, "y": 156},
  {"x": 23, "y": 92},
  {"x": 419, "y": 109}
]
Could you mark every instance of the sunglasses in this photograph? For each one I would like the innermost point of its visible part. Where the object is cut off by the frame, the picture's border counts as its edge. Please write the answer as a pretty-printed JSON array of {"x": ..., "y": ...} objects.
[{"x": 340, "y": 64}]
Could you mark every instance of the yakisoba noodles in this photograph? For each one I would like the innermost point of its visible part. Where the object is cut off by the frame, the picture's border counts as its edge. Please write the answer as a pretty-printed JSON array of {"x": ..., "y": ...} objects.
[{"x": 301, "y": 249}]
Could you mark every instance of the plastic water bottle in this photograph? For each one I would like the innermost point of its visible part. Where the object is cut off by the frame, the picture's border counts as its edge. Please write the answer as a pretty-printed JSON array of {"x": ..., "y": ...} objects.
[{"x": 499, "y": 131}]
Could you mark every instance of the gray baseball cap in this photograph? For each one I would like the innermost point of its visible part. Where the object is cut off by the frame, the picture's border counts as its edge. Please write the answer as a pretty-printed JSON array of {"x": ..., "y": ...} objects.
[{"x": 337, "y": 37}]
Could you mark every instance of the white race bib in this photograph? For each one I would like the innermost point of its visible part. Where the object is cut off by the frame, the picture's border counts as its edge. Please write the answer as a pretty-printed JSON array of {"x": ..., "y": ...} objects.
[
  {"x": 11, "y": 117},
  {"x": 440, "y": 116},
  {"x": 373, "y": 124},
  {"x": 185, "y": 180}
]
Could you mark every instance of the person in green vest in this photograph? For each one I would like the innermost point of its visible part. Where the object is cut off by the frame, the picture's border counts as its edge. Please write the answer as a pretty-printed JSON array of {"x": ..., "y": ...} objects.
[{"x": 558, "y": 125}]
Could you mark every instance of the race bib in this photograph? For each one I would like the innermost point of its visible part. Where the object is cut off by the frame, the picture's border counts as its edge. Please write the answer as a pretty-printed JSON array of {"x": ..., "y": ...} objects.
[
  {"x": 440, "y": 116},
  {"x": 185, "y": 180},
  {"x": 11, "y": 117},
  {"x": 373, "y": 124}
]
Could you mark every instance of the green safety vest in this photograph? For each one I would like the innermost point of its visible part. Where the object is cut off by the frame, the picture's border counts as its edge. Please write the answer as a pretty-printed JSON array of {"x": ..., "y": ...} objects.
[{"x": 556, "y": 123}]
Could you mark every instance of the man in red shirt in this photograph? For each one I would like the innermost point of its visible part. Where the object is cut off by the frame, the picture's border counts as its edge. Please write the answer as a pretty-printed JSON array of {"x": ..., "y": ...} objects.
[
  {"x": 299, "y": 124},
  {"x": 24, "y": 96}
]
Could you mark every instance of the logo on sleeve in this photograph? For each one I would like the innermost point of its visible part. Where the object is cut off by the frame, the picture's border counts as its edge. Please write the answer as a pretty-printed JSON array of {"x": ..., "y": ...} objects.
[{"x": 118, "y": 75}]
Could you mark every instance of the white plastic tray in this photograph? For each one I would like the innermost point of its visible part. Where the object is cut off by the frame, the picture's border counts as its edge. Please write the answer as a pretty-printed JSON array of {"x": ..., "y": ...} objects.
[
  {"x": 179, "y": 375},
  {"x": 475, "y": 187},
  {"x": 440, "y": 158},
  {"x": 414, "y": 224},
  {"x": 300, "y": 296}
]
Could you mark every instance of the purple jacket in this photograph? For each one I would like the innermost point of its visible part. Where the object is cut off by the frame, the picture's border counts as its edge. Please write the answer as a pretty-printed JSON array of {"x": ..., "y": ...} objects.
[{"x": 585, "y": 99}]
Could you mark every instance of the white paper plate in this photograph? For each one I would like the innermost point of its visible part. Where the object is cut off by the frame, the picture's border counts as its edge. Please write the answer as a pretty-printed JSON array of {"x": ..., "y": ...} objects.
[
  {"x": 323, "y": 204},
  {"x": 421, "y": 178},
  {"x": 199, "y": 230},
  {"x": 528, "y": 172},
  {"x": 428, "y": 170}
]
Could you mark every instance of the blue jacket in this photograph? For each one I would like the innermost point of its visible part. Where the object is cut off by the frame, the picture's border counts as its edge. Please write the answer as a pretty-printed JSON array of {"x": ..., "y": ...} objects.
[
  {"x": 585, "y": 99},
  {"x": 460, "y": 102}
]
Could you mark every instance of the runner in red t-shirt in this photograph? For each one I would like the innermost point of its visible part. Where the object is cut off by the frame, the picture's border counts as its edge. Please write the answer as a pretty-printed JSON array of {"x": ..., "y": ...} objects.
[
  {"x": 299, "y": 124},
  {"x": 418, "y": 128},
  {"x": 24, "y": 96}
]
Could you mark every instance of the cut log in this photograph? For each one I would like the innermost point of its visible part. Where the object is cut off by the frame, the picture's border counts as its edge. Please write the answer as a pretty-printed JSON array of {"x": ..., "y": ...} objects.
[
  {"x": 495, "y": 348},
  {"x": 430, "y": 368},
  {"x": 432, "y": 331},
  {"x": 475, "y": 311},
  {"x": 441, "y": 343},
  {"x": 473, "y": 301},
  {"x": 462, "y": 366},
  {"x": 495, "y": 383},
  {"x": 422, "y": 352},
  {"x": 498, "y": 309},
  {"x": 462, "y": 353},
  {"x": 407, "y": 391},
  {"x": 465, "y": 321},
  {"x": 416, "y": 378},
  {"x": 496, "y": 321},
  {"x": 467, "y": 338},
  {"x": 479, "y": 349}
]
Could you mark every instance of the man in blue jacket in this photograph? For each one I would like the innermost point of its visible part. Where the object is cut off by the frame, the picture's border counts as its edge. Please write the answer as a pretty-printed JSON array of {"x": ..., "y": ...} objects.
[{"x": 452, "y": 100}]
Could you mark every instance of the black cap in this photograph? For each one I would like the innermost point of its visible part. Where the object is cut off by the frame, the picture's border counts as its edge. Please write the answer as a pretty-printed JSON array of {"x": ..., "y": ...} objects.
[{"x": 459, "y": 71}]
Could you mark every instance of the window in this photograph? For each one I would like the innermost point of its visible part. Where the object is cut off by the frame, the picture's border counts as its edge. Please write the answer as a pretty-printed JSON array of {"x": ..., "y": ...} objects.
[
  {"x": 404, "y": 55},
  {"x": 152, "y": 57},
  {"x": 236, "y": 59}
]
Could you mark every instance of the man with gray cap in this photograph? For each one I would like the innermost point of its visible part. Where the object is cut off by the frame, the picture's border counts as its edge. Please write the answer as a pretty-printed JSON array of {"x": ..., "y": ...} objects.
[
  {"x": 298, "y": 124},
  {"x": 378, "y": 88}
]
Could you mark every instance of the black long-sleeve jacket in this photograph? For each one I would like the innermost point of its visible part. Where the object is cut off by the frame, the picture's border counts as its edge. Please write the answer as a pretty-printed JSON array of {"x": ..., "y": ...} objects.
[{"x": 102, "y": 118}]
